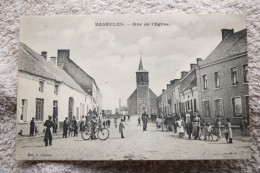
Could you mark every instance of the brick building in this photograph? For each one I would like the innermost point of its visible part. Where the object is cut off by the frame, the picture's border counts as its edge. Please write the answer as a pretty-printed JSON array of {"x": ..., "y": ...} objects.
[
  {"x": 223, "y": 80},
  {"x": 143, "y": 98},
  {"x": 180, "y": 96}
]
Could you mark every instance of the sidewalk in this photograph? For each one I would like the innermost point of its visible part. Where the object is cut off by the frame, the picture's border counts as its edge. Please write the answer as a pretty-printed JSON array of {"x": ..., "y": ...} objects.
[{"x": 56, "y": 135}]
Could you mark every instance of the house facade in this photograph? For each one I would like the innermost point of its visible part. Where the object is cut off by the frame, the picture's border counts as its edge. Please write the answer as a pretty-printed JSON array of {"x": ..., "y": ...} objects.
[
  {"x": 83, "y": 79},
  {"x": 45, "y": 89},
  {"x": 223, "y": 80},
  {"x": 181, "y": 94}
]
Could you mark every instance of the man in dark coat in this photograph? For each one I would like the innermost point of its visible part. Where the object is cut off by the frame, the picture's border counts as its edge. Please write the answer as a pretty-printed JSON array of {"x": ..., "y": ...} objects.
[
  {"x": 145, "y": 120},
  {"x": 55, "y": 127},
  {"x": 75, "y": 126},
  {"x": 65, "y": 127},
  {"x": 48, "y": 136},
  {"x": 32, "y": 126}
]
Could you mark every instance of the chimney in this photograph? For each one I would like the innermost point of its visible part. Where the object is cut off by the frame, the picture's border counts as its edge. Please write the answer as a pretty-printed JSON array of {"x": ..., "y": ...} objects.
[
  {"x": 54, "y": 60},
  {"x": 199, "y": 60},
  {"x": 163, "y": 90},
  {"x": 63, "y": 56},
  {"x": 44, "y": 54},
  {"x": 174, "y": 81},
  {"x": 183, "y": 74},
  {"x": 226, "y": 32},
  {"x": 192, "y": 66}
]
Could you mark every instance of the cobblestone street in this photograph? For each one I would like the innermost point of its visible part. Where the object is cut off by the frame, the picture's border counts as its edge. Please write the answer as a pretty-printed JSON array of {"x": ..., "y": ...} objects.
[{"x": 153, "y": 144}]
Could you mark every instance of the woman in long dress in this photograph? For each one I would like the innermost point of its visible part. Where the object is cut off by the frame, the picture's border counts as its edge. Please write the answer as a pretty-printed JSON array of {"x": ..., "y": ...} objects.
[
  {"x": 229, "y": 130},
  {"x": 180, "y": 127},
  {"x": 218, "y": 130}
]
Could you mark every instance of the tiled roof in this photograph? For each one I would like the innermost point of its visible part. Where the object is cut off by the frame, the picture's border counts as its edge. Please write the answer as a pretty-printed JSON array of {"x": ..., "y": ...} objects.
[
  {"x": 133, "y": 95},
  {"x": 232, "y": 45},
  {"x": 33, "y": 63},
  {"x": 192, "y": 84}
]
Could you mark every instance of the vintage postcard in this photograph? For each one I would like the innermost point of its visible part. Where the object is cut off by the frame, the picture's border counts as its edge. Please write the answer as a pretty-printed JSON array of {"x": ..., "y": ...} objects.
[{"x": 133, "y": 87}]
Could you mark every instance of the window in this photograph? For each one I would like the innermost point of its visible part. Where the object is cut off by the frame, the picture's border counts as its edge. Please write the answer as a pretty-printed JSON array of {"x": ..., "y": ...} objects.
[
  {"x": 24, "y": 105},
  {"x": 56, "y": 89},
  {"x": 234, "y": 76},
  {"x": 55, "y": 109},
  {"x": 205, "y": 82},
  {"x": 142, "y": 77},
  {"x": 245, "y": 73},
  {"x": 41, "y": 86},
  {"x": 217, "y": 80},
  {"x": 219, "y": 108},
  {"x": 206, "y": 110},
  {"x": 237, "y": 106},
  {"x": 39, "y": 109}
]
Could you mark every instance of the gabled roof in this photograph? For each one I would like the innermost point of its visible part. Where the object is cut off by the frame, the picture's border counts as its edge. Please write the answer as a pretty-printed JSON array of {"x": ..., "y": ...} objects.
[
  {"x": 234, "y": 44},
  {"x": 33, "y": 63},
  {"x": 192, "y": 84},
  {"x": 134, "y": 94},
  {"x": 151, "y": 93}
]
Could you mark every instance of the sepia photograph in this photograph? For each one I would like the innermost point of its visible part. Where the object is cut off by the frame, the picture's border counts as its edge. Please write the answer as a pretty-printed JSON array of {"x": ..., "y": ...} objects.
[{"x": 133, "y": 87}]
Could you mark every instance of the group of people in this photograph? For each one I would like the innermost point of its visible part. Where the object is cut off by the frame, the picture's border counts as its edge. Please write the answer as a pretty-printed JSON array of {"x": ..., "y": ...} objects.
[{"x": 193, "y": 126}]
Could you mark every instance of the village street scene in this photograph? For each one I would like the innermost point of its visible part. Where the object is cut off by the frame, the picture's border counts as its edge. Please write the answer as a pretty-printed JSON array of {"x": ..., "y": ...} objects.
[{"x": 132, "y": 108}]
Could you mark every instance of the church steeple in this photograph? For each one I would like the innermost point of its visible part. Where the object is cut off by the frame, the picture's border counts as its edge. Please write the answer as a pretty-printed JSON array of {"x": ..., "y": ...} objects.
[{"x": 141, "y": 64}]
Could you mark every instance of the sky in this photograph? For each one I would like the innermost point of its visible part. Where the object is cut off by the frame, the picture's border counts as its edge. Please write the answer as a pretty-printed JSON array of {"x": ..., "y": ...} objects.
[{"x": 111, "y": 54}]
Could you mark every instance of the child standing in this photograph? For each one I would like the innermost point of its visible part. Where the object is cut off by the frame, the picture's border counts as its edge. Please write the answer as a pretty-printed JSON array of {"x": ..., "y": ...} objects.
[
  {"x": 180, "y": 128},
  {"x": 210, "y": 131},
  {"x": 121, "y": 128},
  {"x": 139, "y": 121}
]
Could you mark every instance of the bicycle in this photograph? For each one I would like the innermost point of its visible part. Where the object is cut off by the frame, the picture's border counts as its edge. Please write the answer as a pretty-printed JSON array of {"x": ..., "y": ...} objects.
[{"x": 101, "y": 132}]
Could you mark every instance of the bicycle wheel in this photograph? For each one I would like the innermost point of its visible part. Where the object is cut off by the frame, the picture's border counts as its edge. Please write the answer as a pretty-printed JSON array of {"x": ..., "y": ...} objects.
[
  {"x": 86, "y": 133},
  {"x": 103, "y": 134}
]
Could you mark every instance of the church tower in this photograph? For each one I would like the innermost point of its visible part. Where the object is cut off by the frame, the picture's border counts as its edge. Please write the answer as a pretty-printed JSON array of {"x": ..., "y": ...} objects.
[
  {"x": 142, "y": 82},
  {"x": 143, "y": 98}
]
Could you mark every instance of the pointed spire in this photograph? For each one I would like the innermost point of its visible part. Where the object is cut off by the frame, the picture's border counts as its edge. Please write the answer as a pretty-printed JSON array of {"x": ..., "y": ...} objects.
[{"x": 141, "y": 64}]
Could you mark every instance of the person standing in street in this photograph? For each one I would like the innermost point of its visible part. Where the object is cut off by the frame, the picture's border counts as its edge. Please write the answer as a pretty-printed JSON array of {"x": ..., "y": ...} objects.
[
  {"x": 94, "y": 123},
  {"x": 188, "y": 127},
  {"x": 32, "y": 126},
  {"x": 115, "y": 122},
  {"x": 229, "y": 131},
  {"x": 218, "y": 130},
  {"x": 48, "y": 136},
  {"x": 108, "y": 123},
  {"x": 65, "y": 128},
  {"x": 245, "y": 127},
  {"x": 196, "y": 126},
  {"x": 81, "y": 124},
  {"x": 55, "y": 127},
  {"x": 121, "y": 129},
  {"x": 139, "y": 121},
  {"x": 180, "y": 127},
  {"x": 145, "y": 120},
  {"x": 75, "y": 127}
]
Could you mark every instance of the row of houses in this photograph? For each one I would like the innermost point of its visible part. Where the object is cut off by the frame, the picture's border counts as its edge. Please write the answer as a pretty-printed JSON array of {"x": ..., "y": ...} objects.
[
  {"x": 216, "y": 87},
  {"x": 53, "y": 86}
]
